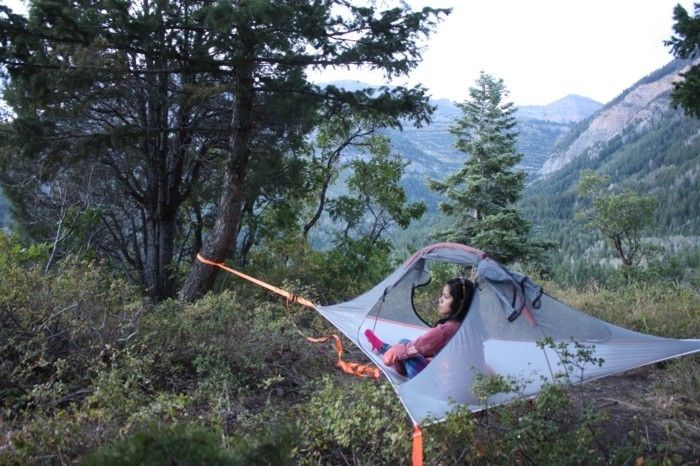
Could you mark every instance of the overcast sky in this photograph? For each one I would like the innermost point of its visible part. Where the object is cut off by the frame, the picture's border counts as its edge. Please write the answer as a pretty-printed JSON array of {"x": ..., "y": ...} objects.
[{"x": 543, "y": 49}]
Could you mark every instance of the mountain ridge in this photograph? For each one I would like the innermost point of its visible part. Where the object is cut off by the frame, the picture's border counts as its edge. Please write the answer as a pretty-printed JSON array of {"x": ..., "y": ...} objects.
[
  {"x": 642, "y": 144},
  {"x": 639, "y": 104},
  {"x": 569, "y": 109}
]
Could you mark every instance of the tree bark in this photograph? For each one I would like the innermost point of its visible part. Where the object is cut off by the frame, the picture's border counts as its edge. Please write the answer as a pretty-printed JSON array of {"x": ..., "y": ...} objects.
[
  {"x": 220, "y": 239},
  {"x": 159, "y": 253}
]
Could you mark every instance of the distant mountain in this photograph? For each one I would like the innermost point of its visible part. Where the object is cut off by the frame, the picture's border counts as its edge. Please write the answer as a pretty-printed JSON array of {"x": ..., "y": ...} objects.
[
  {"x": 430, "y": 149},
  {"x": 570, "y": 109},
  {"x": 636, "y": 109},
  {"x": 641, "y": 143}
]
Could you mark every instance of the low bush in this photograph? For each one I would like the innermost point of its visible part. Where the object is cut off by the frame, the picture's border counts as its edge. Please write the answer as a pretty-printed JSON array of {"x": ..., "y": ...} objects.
[
  {"x": 189, "y": 444},
  {"x": 356, "y": 423},
  {"x": 57, "y": 327}
]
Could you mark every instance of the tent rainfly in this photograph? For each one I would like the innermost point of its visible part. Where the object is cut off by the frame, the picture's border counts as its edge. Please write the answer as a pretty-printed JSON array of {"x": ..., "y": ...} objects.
[{"x": 508, "y": 316}]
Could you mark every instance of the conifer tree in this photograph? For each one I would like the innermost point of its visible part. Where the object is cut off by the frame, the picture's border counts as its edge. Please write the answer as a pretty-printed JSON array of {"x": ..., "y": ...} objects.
[
  {"x": 686, "y": 44},
  {"x": 480, "y": 196},
  {"x": 135, "y": 108}
]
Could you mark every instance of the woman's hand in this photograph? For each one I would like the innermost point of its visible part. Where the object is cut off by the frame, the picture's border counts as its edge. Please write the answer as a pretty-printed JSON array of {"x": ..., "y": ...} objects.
[{"x": 390, "y": 356}]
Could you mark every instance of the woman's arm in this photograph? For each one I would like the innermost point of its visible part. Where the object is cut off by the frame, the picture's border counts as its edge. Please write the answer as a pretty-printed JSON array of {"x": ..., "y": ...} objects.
[{"x": 427, "y": 344}]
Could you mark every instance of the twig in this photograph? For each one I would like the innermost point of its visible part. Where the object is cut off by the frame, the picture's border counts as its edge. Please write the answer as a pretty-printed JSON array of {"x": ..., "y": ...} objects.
[
  {"x": 344, "y": 458},
  {"x": 70, "y": 396},
  {"x": 57, "y": 238},
  {"x": 129, "y": 337},
  {"x": 57, "y": 314}
]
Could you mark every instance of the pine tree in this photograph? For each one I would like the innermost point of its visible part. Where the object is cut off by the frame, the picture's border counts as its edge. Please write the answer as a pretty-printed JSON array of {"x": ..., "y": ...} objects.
[
  {"x": 686, "y": 44},
  {"x": 480, "y": 196}
]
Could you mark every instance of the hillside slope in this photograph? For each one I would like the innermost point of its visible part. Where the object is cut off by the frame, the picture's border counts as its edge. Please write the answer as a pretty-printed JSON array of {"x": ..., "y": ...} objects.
[
  {"x": 431, "y": 153},
  {"x": 641, "y": 143}
]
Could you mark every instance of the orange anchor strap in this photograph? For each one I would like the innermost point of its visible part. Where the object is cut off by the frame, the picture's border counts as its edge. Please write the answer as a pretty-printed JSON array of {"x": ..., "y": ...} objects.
[
  {"x": 290, "y": 296},
  {"x": 353, "y": 368},
  {"x": 417, "y": 452}
]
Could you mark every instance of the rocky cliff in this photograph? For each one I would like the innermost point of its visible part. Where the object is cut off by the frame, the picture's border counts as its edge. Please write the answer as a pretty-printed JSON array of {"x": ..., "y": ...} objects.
[{"x": 634, "y": 110}]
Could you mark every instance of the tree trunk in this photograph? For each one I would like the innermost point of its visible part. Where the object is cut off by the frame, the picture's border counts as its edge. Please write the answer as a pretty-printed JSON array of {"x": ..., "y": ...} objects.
[
  {"x": 220, "y": 239},
  {"x": 160, "y": 241}
]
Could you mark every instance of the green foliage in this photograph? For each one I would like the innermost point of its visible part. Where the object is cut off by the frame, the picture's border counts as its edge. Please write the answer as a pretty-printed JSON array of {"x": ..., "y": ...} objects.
[
  {"x": 350, "y": 267},
  {"x": 363, "y": 421},
  {"x": 685, "y": 45},
  {"x": 57, "y": 327},
  {"x": 620, "y": 218},
  {"x": 481, "y": 194},
  {"x": 452, "y": 440},
  {"x": 225, "y": 341},
  {"x": 486, "y": 385},
  {"x": 376, "y": 201},
  {"x": 191, "y": 444},
  {"x": 574, "y": 358},
  {"x": 548, "y": 430}
]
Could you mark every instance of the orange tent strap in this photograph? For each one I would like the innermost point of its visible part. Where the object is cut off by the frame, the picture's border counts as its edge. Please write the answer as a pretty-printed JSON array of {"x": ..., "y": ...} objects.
[
  {"x": 417, "y": 453},
  {"x": 291, "y": 297},
  {"x": 352, "y": 368}
]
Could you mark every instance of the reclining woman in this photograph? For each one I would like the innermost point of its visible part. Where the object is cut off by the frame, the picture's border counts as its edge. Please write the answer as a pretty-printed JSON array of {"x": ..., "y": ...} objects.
[{"x": 411, "y": 357}]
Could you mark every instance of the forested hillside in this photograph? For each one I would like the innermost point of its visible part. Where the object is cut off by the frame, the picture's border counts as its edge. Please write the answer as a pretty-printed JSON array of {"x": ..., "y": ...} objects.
[
  {"x": 642, "y": 144},
  {"x": 431, "y": 152}
]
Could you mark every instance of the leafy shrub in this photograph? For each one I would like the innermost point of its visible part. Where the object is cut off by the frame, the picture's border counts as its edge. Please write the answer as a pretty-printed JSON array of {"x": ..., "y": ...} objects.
[
  {"x": 188, "y": 444},
  {"x": 57, "y": 327},
  {"x": 334, "y": 275},
  {"x": 549, "y": 430},
  {"x": 225, "y": 336},
  {"x": 363, "y": 421}
]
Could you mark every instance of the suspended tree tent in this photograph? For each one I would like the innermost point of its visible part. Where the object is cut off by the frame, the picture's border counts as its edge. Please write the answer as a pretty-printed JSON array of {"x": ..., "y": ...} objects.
[{"x": 508, "y": 316}]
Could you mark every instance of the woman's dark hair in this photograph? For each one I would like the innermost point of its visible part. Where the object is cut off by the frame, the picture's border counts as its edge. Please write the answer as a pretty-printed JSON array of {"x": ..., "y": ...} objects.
[{"x": 462, "y": 292}]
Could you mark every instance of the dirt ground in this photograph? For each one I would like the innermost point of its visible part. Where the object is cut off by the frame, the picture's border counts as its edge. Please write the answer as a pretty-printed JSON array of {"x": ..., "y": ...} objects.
[{"x": 639, "y": 402}]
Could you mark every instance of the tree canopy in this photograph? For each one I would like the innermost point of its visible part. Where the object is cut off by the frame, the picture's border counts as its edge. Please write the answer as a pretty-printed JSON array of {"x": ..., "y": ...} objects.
[
  {"x": 686, "y": 44},
  {"x": 480, "y": 196},
  {"x": 158, "y": 119},
  {"x": 619, "y": 217}
]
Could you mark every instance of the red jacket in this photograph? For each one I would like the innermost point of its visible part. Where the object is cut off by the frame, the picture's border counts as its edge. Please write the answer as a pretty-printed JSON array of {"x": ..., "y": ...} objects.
[{"x": 428, "y": 344}]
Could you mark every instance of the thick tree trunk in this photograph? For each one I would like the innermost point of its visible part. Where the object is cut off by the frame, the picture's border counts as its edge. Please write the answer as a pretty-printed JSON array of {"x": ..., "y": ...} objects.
[
  {"x": 160, "y": 242},
  {"x": 220, "y": 239}
]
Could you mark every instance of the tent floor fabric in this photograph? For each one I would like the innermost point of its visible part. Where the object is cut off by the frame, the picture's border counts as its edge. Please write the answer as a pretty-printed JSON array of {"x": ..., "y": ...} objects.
[{"x": 505, "y": 332}]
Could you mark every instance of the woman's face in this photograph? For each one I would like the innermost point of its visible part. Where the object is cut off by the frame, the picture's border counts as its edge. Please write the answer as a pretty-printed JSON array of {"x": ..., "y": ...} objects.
[{"x": 445, "y": 302}]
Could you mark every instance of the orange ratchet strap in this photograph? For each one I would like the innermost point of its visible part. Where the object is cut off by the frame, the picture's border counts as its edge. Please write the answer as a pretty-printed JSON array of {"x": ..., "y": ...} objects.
[
  {"x": 290, "y": 296},
  {"x": 353, "y": 368},
  {"x": 417, "y": 453}
]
